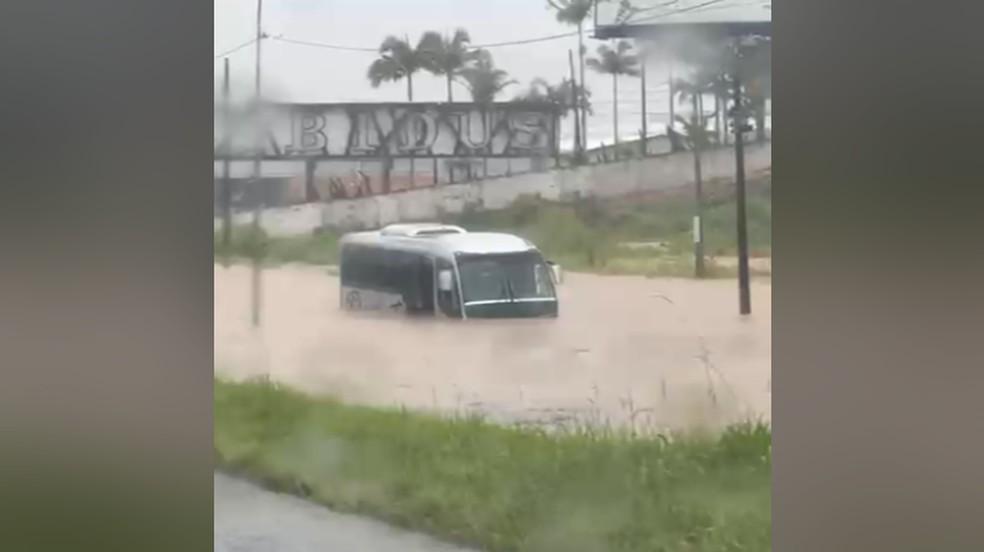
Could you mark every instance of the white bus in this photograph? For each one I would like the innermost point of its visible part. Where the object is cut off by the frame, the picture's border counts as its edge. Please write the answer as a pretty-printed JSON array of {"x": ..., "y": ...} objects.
[{"x": 442, "y": 270}]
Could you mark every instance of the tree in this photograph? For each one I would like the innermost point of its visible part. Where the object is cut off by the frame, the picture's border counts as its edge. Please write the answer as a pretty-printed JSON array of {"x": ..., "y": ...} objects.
[
  {"x": 446, "y": 56},
  {"x": 398, "y": 60},
  {"x": 576, "y": 12},
  {"x": 714, "y": 63},
  {"x": 698, "y": 138},
  {"x": 563, "y": 96},
  {"x": 485, "y": 82},
  {"x": 620, "y": 61},
  {"x": 483, "y": 79},
  {"x": 757, "y": 74}
]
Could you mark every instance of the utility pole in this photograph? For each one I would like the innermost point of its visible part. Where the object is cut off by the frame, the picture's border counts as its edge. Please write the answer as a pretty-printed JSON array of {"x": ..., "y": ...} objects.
[
  {"x": 576, "y": 93},
  {"x": 259, "y": 190},
  {"x": 645, "y": 130},
  {"x": 581, "y": 89},
  {"x": 744, "y": 293},
  {"x": 695, "y": 140},
  {"x": 226, "y": 191},
  {"x": 669, "y": 80}
]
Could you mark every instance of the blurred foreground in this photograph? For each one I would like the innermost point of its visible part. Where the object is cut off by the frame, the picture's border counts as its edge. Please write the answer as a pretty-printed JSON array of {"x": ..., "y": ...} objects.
[
  {"x": 501, "y": 489},
  {"x": 248, "y": 519}
]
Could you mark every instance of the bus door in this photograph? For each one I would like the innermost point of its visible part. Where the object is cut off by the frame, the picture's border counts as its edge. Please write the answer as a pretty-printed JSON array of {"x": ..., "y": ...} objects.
[{"x": 448, "y": 301}]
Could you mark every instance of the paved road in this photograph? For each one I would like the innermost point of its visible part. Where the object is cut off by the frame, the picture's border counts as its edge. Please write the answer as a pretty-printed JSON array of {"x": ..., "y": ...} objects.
[{"x": 251, "y": 519}]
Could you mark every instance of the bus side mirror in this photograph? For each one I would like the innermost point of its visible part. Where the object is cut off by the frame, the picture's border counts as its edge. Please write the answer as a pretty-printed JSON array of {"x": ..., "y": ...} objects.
[
  {"x": 555, "y": 272},
  {"x": 445, "y": 281}
]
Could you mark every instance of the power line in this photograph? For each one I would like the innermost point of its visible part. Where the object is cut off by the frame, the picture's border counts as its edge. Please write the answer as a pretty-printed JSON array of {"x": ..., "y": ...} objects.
[
  {"x": 703, "y": 6},
  {"x": 529, "y": 40},
  {"x": 326, "y": 46},
  {"x": 657, "y": 7},
  {"x": 236, "y": 49},
  {"x": 476, "y": 46}
]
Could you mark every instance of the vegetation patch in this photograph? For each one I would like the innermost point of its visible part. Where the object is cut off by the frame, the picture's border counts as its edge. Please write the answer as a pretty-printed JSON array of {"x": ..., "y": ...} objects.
[
  {"x": 641, "y": 236},
  {"x": 500, "y": 488}
]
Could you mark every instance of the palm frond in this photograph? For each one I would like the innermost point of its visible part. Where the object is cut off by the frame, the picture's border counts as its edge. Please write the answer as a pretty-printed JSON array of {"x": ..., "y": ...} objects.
[
  {"x": 618, "y": 61},
  {"x": 483, "y": 79},
  {"x": 571, "y": 12},
  {"x": 384, "y": 69},
  {"x": 397, "y": 60}
]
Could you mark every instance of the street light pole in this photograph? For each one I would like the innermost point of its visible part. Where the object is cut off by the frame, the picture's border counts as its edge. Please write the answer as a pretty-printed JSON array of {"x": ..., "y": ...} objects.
[
  {"x": 259, "y": 191},
  {"x": 744, "y": 293}
]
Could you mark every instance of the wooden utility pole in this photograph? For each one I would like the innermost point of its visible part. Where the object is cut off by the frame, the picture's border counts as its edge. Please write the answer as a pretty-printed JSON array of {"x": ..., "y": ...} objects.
[
  {"x": 226, "y": 189},
  {"x": 259, "y": 190},
  {"x": 576, "y": 93},
  {"x": 744, "y": 291},
  {"x": 669, "y": 80},
  {"x": 581, "y": 89},
  {"x": 695, "y": 140},
  {"x": 645, "y": 129}
]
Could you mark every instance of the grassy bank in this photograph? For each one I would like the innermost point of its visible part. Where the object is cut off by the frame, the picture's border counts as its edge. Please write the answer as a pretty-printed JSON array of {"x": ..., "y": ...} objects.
[
  {"x": 316, "y": 249},
  {"x": 503, "y": 489},
  {"x": 587, "y": 235}
]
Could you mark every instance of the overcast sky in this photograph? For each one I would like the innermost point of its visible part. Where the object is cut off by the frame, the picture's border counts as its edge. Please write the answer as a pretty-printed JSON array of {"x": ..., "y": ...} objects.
[{"x": 298, "y": 73}]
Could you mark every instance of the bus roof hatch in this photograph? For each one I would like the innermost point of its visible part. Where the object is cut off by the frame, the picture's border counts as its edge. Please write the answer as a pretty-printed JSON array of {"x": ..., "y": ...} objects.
[{"x": 421, "y": 230}]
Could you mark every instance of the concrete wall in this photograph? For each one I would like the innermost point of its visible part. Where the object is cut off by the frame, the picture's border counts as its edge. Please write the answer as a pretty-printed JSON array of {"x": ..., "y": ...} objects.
[{"x": 605, "y": 180}]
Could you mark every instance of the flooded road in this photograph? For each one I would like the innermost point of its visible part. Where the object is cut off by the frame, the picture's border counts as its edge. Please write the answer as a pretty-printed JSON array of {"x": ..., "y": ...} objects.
[
  {"x": 656, "y": 353},
  {"x": 251, "y": 519}
]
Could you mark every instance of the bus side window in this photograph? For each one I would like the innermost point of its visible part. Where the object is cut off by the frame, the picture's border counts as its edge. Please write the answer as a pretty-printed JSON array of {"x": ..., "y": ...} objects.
[
  {"x": 361, "y": 268},
  {"x": 425, "y": 283},
  {"x": 447, "y": 300},
  {"x": 372, "y": 269},
  {"x": 350, "y": 266},
  {"x": 396, "y": 276}
]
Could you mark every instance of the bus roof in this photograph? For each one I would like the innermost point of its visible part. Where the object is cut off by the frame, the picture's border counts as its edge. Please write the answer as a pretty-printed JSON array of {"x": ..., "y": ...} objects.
[{"x": 441, "y": 244}]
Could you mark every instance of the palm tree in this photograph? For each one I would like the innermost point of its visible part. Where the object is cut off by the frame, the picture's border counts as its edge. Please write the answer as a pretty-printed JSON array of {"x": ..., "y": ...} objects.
[
  {"x": 576, "y": 12},
  {"x": 397, "y": 60},
  {"x": 698, "y": 138},
  {"x": 694, "y": 89},
  {"x": 757, "y": 70},
  {"x": 483, "y": 79},
  {"x": 446, "y": 56},
  {"x": 620, "y": 61},
  {"x": 563, "y": 96},
  {"x": 720, "y": 87},
  {"x": 485, "y": 82}
]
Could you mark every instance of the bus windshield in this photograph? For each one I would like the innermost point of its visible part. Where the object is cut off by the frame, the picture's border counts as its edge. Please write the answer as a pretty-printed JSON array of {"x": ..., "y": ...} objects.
[{"x": 505, "y": 278}]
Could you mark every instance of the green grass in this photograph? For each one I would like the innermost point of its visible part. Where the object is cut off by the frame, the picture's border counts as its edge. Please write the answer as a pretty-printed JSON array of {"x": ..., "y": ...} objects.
[
  {"x": 582, "y": 236},
  {"x": 246, "y": 243},
  {"x": 503, "y": 489}
]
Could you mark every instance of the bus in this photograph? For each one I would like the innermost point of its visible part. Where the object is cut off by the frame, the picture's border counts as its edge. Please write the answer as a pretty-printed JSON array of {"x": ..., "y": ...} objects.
[{"x": 446, "y": 271}]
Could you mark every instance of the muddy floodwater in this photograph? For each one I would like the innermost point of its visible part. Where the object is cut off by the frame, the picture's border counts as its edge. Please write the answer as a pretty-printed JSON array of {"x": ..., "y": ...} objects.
[{"x": 656, "y": 353}]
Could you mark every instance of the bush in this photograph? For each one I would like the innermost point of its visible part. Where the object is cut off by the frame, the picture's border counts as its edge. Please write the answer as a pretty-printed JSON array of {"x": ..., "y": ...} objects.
[
  {"x": 247, "y": 242},
  {"x": 499, "y": 488},
  {"x": 582, "y": 235}
]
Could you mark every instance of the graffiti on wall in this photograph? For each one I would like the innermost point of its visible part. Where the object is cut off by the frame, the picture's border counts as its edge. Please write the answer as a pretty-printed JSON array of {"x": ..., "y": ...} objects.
[{"x": 358, "y": 131}]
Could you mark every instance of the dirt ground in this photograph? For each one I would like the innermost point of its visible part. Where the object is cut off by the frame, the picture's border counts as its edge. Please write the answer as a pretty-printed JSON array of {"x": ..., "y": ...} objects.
[{"x": 656, "y": 353}]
